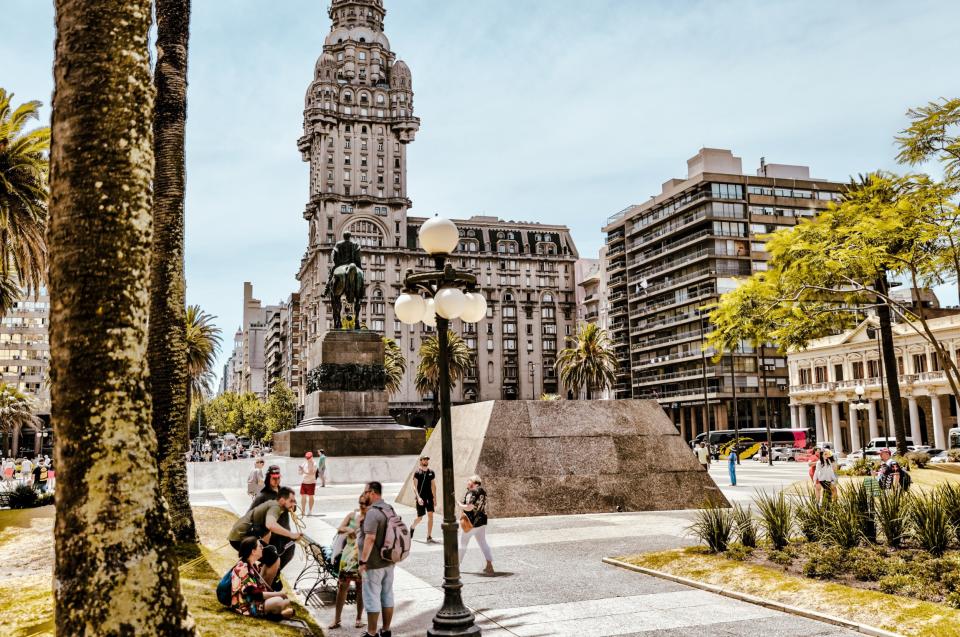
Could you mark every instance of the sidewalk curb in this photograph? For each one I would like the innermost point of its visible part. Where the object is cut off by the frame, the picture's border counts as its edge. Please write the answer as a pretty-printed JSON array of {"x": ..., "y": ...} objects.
[{"x": 759, "y": 601}]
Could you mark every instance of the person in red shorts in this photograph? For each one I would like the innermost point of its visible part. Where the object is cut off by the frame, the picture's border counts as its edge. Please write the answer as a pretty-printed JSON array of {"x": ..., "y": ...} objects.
[{"x": 308, "y": 483}]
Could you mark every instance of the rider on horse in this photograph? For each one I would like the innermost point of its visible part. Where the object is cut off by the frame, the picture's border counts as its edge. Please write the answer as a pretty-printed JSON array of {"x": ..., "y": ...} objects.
[
  {"x": 344, "y": 253},
  {"x": 345, "y": 279}
]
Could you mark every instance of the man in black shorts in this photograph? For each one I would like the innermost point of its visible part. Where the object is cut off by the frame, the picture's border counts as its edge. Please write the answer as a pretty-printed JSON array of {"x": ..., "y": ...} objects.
[{"x": 425, "y": 489}]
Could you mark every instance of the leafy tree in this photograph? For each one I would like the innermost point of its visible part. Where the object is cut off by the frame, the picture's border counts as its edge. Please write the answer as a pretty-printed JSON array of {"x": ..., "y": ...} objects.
[
  {"x": 588, "y": 362},
  {"x": 280, "y": 410},
  {"x": 929, "y": 137},
  {"x": 24, "y": 190},
  {"x": 222, "y": 413},
  {"x": 395, "y": 364},
  {"x": 253, "y": 417},
  {"x": 460, "y": 359},
  {"x": 116, "y": 566}
]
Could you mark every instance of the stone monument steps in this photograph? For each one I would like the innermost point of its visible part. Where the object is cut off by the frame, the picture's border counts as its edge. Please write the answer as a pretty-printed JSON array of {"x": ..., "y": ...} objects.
[{"x": 340, "y": 422}]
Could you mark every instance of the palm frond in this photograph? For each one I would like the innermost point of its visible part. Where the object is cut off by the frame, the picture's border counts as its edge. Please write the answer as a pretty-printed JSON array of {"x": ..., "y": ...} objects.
[
  {"x": 589, "y": 361},
  {"x": 203, "y": 346},
  {"x": 460, "y": 359}
]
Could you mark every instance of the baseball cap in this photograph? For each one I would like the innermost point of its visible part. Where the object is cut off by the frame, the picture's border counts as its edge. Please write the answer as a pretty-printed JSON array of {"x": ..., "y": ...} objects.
[{"x": 273, "y": 470}]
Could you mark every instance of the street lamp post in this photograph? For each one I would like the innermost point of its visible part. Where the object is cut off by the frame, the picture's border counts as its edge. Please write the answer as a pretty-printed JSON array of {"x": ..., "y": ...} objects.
[
  {"x": 445, "y": 300},
  {"x": 861, "y": 404}
]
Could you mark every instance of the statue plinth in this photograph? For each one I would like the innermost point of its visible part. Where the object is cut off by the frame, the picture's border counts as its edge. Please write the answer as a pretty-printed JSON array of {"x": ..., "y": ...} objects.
[{"x": 346, "y": 412}]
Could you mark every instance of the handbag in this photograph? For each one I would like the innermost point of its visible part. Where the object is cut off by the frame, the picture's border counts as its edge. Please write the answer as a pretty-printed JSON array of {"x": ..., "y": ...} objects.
[{"x": 465, "y": 524}]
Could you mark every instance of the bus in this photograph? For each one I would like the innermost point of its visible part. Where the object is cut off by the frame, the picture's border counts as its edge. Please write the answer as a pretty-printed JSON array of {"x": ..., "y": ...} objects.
[{"x": 723, "y": 440}]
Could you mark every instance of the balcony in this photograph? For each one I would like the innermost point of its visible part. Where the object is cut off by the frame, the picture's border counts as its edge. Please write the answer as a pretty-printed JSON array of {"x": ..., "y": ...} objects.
[
  {"x": 678, "y": 262},
  {"x": 905, "y": 380},
  {"x": 672, "y": 339},
  {"x": 673, "y": 376}
]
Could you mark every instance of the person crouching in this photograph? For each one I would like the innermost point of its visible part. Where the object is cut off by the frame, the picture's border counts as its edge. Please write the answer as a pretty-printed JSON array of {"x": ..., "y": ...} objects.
[{"x": 250, "y": 593}]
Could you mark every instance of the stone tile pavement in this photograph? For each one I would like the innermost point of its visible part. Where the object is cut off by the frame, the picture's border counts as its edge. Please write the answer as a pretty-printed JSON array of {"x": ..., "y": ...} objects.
[{"x": 550, "y": 580}]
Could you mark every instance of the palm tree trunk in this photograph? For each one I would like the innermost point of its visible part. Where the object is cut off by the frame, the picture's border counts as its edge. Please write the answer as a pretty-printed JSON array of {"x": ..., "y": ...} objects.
[
  {"x": 167, "y": 353},
  {"x": 116, "y": 571},
  {"x": 890, "y": 366}
]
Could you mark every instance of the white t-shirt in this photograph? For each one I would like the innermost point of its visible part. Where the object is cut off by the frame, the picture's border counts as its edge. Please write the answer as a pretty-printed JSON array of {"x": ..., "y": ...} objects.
[
  {"x": 825, "y": 473},
  {"x": 703, "y": 455},
  {"x": 309, "y": 472}
]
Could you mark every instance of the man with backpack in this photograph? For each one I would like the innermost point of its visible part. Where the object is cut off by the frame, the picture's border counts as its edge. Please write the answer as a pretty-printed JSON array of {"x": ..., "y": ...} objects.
[
  {"x": 891, "y": 474},
  {"x": 386, "y": 541}
]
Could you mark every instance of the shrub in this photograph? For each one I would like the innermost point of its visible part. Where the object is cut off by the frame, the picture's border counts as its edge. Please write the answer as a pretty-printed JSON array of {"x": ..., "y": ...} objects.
[
  {"x": 918, "y": 459},
  {"x": 824, "y": 562},
  {"x": 810, "y": 516},
  {"x": 866, "y": 564},
  {"x": 953, "y": 455},
  {"x": 891, "y": 515},
  {"x": 953, "y": 599},
  {"x": 895, "y": 583},
  {"x": 951, "y": 580},
  {"x": 929, "y": 524},
  {"x": 776, "y": 518},
  {"x": 713, "y": 526},
  {"x": 738, "y": 552},
  {"x": 45, "y": 499},
  {"x": 23, "y": 497},
  {"x": 861, "y": 467},
  {"x": 746, "y": 526},
  {"x": 780, "y": 557},
  {"x": 949, "y": 495},
  {"x": 843, "y": 522}
]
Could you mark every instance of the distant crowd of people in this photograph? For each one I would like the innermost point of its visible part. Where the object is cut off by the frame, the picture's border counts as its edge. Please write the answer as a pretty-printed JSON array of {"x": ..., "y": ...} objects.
[
  {"x": 370, "y": 541},
  {"x": 37, "y": 473}
]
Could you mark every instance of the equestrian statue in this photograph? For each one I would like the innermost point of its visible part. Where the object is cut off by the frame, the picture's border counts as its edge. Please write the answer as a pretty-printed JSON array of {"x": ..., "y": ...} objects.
[{"x": 345, "y": 280}]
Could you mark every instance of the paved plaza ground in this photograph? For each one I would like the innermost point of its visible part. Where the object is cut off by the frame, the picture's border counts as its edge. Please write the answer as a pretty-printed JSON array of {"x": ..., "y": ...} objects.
[{"x": 550, "y": 580}]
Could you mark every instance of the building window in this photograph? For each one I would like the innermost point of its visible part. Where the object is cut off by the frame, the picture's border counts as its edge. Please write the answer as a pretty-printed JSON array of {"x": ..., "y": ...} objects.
[
  {"x": 857, "y": 368},
  {"x": 726, "y": 191},
  {"x": 510, "y": 344},
  {"x": 509, "y": 328},
  {"x": 549, "y": 346},
  {"x": 919, "y": 363},
  {"x": 490, "y": 348},
  {"x": 548, "y": 313},
  {"x": 509, "y": 311}
]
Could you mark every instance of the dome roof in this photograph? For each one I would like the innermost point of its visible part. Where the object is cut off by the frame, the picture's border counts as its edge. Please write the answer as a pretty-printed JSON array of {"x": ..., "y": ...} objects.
[
  {"x": 400, "y": 75},
  {"x": 357, "y": 34}
]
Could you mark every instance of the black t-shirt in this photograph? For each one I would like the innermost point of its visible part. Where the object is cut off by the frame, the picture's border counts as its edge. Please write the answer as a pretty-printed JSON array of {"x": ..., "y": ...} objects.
[
  {"x": 423, "y": 484},
  {"x": 478, "y": 498}
]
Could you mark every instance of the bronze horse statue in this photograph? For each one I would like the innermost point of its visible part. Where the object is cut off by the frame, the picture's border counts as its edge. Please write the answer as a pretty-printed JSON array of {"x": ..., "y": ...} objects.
[{"x": 345, "y": 281}]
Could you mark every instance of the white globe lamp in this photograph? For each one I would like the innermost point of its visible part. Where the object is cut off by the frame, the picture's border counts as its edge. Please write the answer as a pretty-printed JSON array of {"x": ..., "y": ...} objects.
[
  {"x": 439, "y": 236},
  {"x": 429, "y": 313},
  {"x": 409, "y": 308},
  {"x": 450, "y": 303},
  {"x": 475, "y": 307}
]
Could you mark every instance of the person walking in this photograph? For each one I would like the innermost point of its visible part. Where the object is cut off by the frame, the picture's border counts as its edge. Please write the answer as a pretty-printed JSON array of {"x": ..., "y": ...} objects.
[
  {"x": 308, "y": 483},
  {"x": 825, "y": 476},
  {"x": 349, "y": 564},
  {"x": 473, "y": 523},
  {"x": 425, "y": 489},
  {"x": 703, "y": 455},
  {"x": 322, "y": 468},
  {"x": 732, "y": 466},
  {"x": 377, "y": 573},
  {"x": 764, "y": 452},
  {"x": 40, "y": 476},
  {"x": 255, "y": 479},
  {"x": 26, "y": 472}
]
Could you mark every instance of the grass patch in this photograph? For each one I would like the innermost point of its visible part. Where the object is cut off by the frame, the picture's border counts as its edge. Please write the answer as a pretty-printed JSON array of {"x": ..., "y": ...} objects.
[
  {"x": 892, "y": 612},
  {"x": 26, "y": 567}
]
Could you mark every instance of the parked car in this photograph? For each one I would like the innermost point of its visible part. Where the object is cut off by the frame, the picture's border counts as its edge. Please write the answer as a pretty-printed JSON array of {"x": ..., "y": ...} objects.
[{"x": 939, "y": 458}]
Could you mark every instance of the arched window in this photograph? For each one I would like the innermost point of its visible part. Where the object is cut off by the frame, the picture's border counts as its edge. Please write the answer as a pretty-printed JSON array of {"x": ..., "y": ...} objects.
[
  {"x": 363, "y": 130},
  {"x": 366, "y": 233},
  {"x": 347, "y": 97},
  {"x": 547, "y": 298}
]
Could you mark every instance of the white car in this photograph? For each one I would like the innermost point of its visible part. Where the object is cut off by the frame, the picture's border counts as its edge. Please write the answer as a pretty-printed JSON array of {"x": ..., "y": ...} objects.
[{"x": 940, "y": 458}]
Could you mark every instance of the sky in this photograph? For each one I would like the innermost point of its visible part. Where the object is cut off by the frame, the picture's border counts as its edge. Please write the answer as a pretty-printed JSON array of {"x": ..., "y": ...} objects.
[{"x": 558, "y": 111}]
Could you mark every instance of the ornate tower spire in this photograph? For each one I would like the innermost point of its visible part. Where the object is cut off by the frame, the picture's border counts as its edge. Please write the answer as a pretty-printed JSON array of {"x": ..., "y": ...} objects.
[{"x": 352, "y": 13}]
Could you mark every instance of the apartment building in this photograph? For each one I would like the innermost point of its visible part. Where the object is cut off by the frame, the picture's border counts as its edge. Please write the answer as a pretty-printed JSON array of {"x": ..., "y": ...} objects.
[
  {"x": 25, "y": 364},
  {"x": 282, "y": 345},
  {"x": 669, "y": 257}
]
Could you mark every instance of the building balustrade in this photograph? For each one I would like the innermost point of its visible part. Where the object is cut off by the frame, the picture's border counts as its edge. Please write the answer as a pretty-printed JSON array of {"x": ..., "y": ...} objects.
[
  {"x": 673, "y": 338},
  {"x": 675, "y": 263},
  {"x": 681, "y": 375},
  {"x": 905, "y": 380}
]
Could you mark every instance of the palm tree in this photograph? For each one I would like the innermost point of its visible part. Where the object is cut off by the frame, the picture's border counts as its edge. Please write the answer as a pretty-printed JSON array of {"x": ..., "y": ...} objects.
[
  {"x": 24, "y": 169},
  {"x": 203, "y": 345},
  {"x": 394, "y": 363},
  {"x": 16, "y": 411},
  {"x": 589, "y": 362},
  {"x": 100, "y": 229},
  {"x": 460, "y": 359},
  {"x": 167, "y": 351}
]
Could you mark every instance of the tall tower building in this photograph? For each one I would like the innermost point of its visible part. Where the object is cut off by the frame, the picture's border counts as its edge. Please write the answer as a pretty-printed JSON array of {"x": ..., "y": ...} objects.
[{"x": 358, "y": 122}]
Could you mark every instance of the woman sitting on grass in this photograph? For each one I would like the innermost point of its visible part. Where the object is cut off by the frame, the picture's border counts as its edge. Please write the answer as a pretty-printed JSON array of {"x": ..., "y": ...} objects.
[{"x": 251, "y": 595}]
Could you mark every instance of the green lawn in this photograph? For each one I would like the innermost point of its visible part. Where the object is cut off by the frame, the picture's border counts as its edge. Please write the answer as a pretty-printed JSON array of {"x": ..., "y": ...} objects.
[
  {"x": 26, "y": 556},
  {"x": 891, "y": 612}
]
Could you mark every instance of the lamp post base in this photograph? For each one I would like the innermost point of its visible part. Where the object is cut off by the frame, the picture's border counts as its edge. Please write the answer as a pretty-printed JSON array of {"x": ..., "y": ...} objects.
[{"x": 453, "y": 627}]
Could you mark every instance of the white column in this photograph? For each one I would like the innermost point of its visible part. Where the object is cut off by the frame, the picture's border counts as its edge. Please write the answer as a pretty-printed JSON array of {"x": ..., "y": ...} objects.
[
  {"x": 837, "y": 433},
  {"x": 915, "y": 432},
  {"x": 794, "y": 416},
  {"x": 872, "y": 419},
  {"x": 818, "y": 417},
  {"x": 854, "y": 424},
  {"x": 802, "y": 416},
  {"x": 939, "y": 439}
]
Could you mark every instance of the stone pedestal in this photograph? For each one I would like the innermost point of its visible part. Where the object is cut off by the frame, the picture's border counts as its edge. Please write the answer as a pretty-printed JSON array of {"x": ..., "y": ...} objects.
[
  {"x": 572, "y": 456},
  {"x": 346, "y": 412}
]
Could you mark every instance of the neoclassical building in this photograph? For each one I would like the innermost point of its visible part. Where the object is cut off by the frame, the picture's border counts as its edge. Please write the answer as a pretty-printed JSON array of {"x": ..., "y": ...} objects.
[
  {"x": 825, "y": 376},
  {"x": 358, "y": 124}
]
